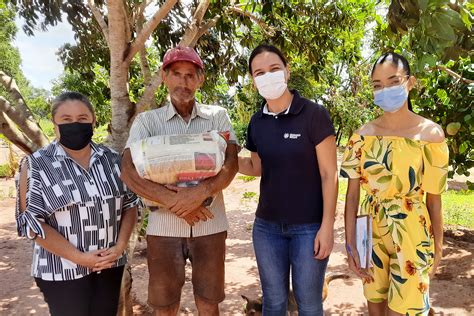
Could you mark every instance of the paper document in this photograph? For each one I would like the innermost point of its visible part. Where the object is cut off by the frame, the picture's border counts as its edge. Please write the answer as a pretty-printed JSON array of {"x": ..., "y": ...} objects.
[{"x": 364, "y": 240}]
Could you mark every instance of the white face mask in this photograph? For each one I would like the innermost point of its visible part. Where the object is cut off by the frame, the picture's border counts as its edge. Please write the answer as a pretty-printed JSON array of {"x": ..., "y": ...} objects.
[{"x": 271, "y": 85}]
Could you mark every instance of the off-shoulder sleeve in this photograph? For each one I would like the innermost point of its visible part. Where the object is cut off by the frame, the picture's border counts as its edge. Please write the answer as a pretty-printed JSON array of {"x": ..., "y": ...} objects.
[
  {"x": 350, "y": 166},
  {"x": 435, "y": 167},
  {"x": 29, "y": 220}
]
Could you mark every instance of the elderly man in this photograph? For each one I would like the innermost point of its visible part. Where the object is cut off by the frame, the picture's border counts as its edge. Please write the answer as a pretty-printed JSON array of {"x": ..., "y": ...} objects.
[{"x": 189, "y": 226}]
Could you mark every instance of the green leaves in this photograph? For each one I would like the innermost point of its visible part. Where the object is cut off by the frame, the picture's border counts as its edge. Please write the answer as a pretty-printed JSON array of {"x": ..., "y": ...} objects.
[
  {"x": 385, "y": 179},
  {"x": 421, "y": 255},
  {"x": 376, "y": 300},
  {"x": 398, "y": 278},
  {"x": 344, "y": 174},
  {"x": 398, "y": 184},
  {"x": 395, "y": 267},
  {"x": 376, "y": 171},
  {"x": 399, "y": 216},
  {"x": 376, "y": 260},
  {"x": 466, "y": 18},
  {"x": 423, "y": 4},
  {"x": 442, "y": 183},
  {"x": 428, "y": 156},
  {"x": 411, "y": 177},
  {"x": 369, "y": 164},
  {"x": 385, "y": 159},
  {"x": 442, "y": 30},
  {"x": 383, "y": 290}
]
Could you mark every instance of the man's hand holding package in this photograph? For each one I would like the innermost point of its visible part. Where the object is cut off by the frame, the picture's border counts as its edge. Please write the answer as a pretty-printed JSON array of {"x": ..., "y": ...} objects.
[
  {"x": 187, "y": 200},
  {"x": 199, "y": 214}
]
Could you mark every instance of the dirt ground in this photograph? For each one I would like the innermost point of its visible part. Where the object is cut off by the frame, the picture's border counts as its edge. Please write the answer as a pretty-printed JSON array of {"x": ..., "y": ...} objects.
[{"x": 452, "y": 290}]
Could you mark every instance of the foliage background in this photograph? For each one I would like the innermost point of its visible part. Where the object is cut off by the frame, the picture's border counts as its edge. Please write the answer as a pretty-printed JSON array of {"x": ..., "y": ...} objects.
[{"x": 330, "y": 46}]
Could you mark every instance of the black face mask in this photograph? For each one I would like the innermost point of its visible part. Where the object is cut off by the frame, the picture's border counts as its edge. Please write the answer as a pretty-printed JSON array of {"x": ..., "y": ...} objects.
[{"x": 75, "y": 135}]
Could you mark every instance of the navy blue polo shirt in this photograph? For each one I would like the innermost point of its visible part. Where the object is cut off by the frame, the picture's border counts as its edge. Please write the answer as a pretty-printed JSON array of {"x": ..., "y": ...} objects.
[{"x": 290, "y": 187}]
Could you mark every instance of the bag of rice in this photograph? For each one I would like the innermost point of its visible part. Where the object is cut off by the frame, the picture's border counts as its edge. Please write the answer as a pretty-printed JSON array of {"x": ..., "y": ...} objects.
[{"x": 179, "y": 159}]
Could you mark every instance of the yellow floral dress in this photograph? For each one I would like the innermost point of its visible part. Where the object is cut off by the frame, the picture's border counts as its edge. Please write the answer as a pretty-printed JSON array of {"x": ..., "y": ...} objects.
[{"x": 395, "y": 172}]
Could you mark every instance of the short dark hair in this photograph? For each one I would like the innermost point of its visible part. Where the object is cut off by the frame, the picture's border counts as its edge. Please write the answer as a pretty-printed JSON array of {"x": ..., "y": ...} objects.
[
  {"x": 265, "y": 48},
  {"x": 70, "y": 96},
  {"x": 396, "y": 60}
]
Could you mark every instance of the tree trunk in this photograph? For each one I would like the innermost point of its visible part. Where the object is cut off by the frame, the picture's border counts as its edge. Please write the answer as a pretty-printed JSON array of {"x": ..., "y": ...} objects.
[{"x": 120, "y": 101}]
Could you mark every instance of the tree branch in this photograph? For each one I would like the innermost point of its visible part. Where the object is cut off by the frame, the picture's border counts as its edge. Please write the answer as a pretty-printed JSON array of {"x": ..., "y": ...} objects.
[
  {"x": 143, "y": 6},
  {"x": 100, "y": 19},
  {"x": 144, "y": 65},
  {"x": 201, "y": 9},
  {"x": 148, "y": 28},
  {"x": 196, "y": 32},
  {"x": 126, "y": 15},
  {"x": 192, "y": 34},
  {"x": 270, "y": 31},
  {"x": 7, "y": 128},
  {"x": 21, "y": 114},
  {"x": 454, "y": 74},
  {"x": 148, "y": 96}
]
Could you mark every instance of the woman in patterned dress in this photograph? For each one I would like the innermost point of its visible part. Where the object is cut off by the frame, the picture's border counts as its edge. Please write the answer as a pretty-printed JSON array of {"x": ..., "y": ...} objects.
[
  {"x": 396, "y": 159},
  {"x": 74, "y": 206}
]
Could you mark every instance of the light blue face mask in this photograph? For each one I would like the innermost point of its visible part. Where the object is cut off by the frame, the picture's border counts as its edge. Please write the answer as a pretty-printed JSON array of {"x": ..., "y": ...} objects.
[{"x": 391, "y": 99}]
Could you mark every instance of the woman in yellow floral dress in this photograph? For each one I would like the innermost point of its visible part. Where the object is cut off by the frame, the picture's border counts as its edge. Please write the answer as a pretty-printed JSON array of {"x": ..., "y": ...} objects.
[{"x": 396, "y": 159}]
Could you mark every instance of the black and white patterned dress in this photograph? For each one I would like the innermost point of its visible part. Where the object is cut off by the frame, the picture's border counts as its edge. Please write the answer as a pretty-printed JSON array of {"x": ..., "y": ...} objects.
[{"x": 85, "y": 206}]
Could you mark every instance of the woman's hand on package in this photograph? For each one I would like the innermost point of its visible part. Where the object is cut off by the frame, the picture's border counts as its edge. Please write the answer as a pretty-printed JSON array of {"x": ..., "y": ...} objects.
[{"x": 187, "y": 200}]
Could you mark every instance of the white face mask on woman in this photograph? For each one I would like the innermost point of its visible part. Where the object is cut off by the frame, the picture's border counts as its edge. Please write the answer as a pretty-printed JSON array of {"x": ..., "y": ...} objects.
[
  {"x": 271, "y": 85},
  {"x": 391, "y": 99}
]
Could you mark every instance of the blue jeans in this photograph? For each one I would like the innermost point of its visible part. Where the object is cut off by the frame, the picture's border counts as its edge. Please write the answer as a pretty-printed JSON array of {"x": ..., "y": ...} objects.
[{"x": 279, "y": 247}]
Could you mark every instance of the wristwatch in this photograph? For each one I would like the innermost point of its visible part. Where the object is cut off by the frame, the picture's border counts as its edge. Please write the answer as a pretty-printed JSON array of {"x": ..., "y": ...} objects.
[{"x": 208, "y": 201}]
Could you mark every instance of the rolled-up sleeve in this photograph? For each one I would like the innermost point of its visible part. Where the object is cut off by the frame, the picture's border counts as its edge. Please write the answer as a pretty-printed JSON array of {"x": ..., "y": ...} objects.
[
  {"x": 29, "y": 220},
  {"x": 224, "y": 125}
]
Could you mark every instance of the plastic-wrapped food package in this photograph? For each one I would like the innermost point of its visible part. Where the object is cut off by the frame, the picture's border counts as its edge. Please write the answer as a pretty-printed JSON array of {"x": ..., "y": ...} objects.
[{"x": 180, "y": 159}]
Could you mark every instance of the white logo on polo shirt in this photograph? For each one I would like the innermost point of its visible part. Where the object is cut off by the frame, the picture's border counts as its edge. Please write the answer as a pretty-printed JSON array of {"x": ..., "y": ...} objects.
[{"x": 291, "y": 136}]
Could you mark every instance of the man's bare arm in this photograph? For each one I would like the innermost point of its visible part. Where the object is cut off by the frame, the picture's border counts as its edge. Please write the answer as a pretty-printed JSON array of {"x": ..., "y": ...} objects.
[
  {"x": 227, "y": 173},
  {"x": 143, "y": 187}
]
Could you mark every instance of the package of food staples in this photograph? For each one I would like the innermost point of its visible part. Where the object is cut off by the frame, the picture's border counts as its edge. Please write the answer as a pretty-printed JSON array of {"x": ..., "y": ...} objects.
[{"x": 179, "y": 159}]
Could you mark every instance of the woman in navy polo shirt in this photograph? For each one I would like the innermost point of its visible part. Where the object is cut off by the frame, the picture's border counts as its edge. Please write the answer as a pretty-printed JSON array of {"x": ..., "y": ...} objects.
[{"x": 293, "y": 149}]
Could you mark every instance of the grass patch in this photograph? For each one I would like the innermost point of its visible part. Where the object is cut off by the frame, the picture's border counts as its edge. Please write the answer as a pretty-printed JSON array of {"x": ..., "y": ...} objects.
[
  {"x": 341, "y": 196},
  {"x": 48, "y": 128},
  {"x": 249, "y": 195},
  {"x": 6, "y": 171},
  {"x": 246, "y": 178},
  {"x": 458, "y": 208}
]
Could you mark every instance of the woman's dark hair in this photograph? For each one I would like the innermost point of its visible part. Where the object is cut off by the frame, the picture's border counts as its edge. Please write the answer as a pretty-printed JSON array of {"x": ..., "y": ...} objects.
[
  {"x": 265, "y": 48},
  {"x": 70, "y": 96},
  {"x": 396, "y": 60}
]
